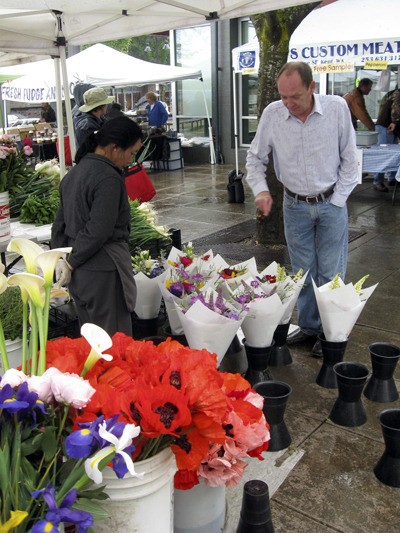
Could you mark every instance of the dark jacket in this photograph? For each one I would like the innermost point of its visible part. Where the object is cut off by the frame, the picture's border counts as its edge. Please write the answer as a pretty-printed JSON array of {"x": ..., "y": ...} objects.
[
  {"x": 94, "y": 218},
  {"x": 157, "y": 116},
  {"x": 94, "y": 210},
  {"x": 85, "y": 123}
]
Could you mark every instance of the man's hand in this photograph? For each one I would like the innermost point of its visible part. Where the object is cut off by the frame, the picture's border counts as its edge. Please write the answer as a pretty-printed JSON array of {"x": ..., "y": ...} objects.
[
  {"x": 391, "y": 127},
  {"x": 264, "y": 202},
  {"x": 63, "y": 273}
]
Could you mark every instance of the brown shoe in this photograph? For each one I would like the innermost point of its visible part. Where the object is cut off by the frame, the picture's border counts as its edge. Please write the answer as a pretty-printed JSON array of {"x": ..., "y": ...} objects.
[{"x": 380, "y": 187}]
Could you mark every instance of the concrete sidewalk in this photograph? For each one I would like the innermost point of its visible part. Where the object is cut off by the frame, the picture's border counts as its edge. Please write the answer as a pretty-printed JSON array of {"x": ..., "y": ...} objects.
[{"x": 326, "y": 481}]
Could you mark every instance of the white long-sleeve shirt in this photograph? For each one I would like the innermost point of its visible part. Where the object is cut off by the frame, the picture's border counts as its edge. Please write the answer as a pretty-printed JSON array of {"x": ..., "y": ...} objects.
[{"x": 309, "y": 157}]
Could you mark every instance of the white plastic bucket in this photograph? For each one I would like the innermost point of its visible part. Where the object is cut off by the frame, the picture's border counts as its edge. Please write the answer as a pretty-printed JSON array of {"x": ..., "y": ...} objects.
[
  {"x": 141, "y": 505},
  {"x": 14, "y": 354},
  {"x": 201, "y": 509},
  {"x": 5, "y": 229}
]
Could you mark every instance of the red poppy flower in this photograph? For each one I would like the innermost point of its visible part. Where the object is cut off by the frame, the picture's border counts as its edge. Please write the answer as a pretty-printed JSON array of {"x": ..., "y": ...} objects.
[{"x": 163, "y": 409}]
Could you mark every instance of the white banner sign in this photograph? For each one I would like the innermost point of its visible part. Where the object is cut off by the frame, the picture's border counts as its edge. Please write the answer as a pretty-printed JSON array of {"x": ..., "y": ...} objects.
[{"x": 358, "y": 51}]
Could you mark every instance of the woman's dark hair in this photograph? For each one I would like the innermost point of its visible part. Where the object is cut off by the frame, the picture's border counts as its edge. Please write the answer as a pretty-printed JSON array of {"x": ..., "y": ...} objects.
[{"x": 121, "y": 131}]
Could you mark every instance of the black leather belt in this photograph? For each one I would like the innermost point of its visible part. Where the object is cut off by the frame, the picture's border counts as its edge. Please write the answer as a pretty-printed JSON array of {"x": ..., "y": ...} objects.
[{"x": 311, "y": 199}]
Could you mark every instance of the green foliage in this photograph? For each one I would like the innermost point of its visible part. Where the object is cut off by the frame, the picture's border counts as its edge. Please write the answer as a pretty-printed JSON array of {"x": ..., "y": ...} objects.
[
  {"x": 11, "y": 313},
  {"x": 135, "y": 47},
  {"x": 40, "y": 209}
]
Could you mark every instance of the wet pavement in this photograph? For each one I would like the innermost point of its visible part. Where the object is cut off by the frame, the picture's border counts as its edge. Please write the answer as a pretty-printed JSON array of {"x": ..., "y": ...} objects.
[{"x": 329, "y": 485}]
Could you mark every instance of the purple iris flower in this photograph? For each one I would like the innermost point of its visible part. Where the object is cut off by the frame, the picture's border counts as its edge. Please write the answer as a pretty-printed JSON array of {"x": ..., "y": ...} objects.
[
  {"x": 9, "y": 403},
  {"x": 55, "y": 515},
  {"x": 119, "y": 464},
  {"x": 85, "y": 441}
]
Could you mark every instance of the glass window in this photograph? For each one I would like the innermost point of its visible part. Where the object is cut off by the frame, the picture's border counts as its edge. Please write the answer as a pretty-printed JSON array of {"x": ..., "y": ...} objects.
[
  {"x": 345, "y": 82},
  {"x": 248, "y": 91},
  {"x": 193, "y": 50}
]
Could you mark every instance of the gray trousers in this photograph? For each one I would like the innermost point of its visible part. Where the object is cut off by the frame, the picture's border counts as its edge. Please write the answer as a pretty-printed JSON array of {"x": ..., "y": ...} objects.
[{"x": 99, "y": 299}]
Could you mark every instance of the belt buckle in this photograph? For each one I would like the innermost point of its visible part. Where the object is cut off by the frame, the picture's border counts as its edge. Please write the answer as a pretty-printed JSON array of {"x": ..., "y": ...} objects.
[{"x": 312, "y": 199}]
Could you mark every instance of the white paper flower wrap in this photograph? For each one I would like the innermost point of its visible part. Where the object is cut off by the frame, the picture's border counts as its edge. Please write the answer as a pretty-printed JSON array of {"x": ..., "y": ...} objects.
[
  {"x": 206, "y": 329},
  {"x": 288, "y": 289},
  {"x": 148, "y": 295},
  {"x": 262, "y": 320},
  {"x": 340, "y": 308}
]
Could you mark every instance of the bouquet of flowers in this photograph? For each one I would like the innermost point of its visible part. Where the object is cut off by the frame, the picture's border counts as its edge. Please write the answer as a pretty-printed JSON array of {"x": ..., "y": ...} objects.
[
  {"x": 210, "y": 320},
  {"x": 177, "y": 286},
  {"x": 288, "y": 286},
  {"x": 145, "y": 272},
  {"x": 265, "y": 310},
  {"x": 340, "y": 305},
  {"x": 204, "y": 264}
]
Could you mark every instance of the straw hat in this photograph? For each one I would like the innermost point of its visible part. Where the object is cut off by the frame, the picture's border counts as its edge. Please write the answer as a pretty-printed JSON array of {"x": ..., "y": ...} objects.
[{"x": 95, "y": 98}]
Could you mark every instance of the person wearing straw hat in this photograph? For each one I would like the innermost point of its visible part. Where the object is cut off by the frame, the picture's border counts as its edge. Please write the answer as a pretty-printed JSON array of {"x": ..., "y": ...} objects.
[{"x": 91, "y": 116}]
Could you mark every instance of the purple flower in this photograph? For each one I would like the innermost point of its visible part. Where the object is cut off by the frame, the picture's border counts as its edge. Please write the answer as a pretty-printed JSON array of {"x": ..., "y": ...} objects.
[
  {"x": 85, "y": 441},
  {"x": 64, "y": 513},
  {"x": 9, "y": 403}
]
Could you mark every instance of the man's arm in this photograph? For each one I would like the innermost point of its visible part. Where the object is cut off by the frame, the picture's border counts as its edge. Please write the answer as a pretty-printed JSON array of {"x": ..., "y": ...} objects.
[
  {"x": 359, "y": 110},
  {"x": 347, "y": 171}
]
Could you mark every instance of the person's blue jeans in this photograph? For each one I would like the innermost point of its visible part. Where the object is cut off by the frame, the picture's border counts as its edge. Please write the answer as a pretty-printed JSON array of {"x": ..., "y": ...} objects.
[
  {"x": 317, "y": 240},
  {"x": 384, "y": 137}
]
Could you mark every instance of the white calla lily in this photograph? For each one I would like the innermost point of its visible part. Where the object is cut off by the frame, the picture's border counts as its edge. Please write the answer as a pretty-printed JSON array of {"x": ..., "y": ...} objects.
[
  {"x": 47, "y": 261},
  {"x": 3, "y": 283},
  {"x": 117, "y": 446},
  {"x": 32, "y": 284},
  {"x": 2, "y": 268},
  {"x": 29, "y": 251},
  {"x": 99, "y": 341}
]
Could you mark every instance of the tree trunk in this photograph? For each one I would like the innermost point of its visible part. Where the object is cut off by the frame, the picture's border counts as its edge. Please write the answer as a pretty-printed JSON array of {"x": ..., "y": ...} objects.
[{"x": 274, "y": 30}]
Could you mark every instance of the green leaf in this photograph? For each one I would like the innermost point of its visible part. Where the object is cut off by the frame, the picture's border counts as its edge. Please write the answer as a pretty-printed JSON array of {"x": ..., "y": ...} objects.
[{"x": 95, "y": 509}]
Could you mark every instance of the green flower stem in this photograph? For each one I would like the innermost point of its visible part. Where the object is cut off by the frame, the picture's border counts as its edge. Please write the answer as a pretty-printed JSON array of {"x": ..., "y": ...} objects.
[
  {"x": 24, "y": 335},
  {"x": 42, "y": 340},
  {"x": 3, "y": 349},
  {"x": 46, "y": 310},
  {"x": 33, "y": 343}
]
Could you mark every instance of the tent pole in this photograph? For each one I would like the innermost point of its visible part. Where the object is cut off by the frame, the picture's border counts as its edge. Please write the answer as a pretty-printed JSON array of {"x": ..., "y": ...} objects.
[
  {"x": 235, "y": 127},
  {"x": 67, "y": 101},
  {"x": 212, "y": 151},
  {"x": 60, "y": 118}
]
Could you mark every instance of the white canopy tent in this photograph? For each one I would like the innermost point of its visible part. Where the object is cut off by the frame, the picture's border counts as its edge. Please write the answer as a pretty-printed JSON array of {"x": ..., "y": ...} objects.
[
  {"x": 100, "y": 65},
  {"x": 44, "y": 27},
  {"x": 245, "y": 60},
  {"x": 350, "y": 32}
]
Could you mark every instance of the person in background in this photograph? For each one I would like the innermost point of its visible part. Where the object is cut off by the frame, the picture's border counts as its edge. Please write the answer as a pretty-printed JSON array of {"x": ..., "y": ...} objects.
[
  {"x": 315, "y": 158},
  {"x": 114, "y": 110},
  {"x": 94, "y": 219},
  {"x": 78, "y": 92},
  {"x": 386, "y": 123},
  {"x": 47, "y": 114},
  {"x": 355, "y": 101},
  {"x": 156, "y": 112},
  {"x": 91, "y": 116}
]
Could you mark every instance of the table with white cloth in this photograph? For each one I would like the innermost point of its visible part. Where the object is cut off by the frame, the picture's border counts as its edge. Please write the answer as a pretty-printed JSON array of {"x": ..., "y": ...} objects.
[{"x": 382, "y": 158}]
